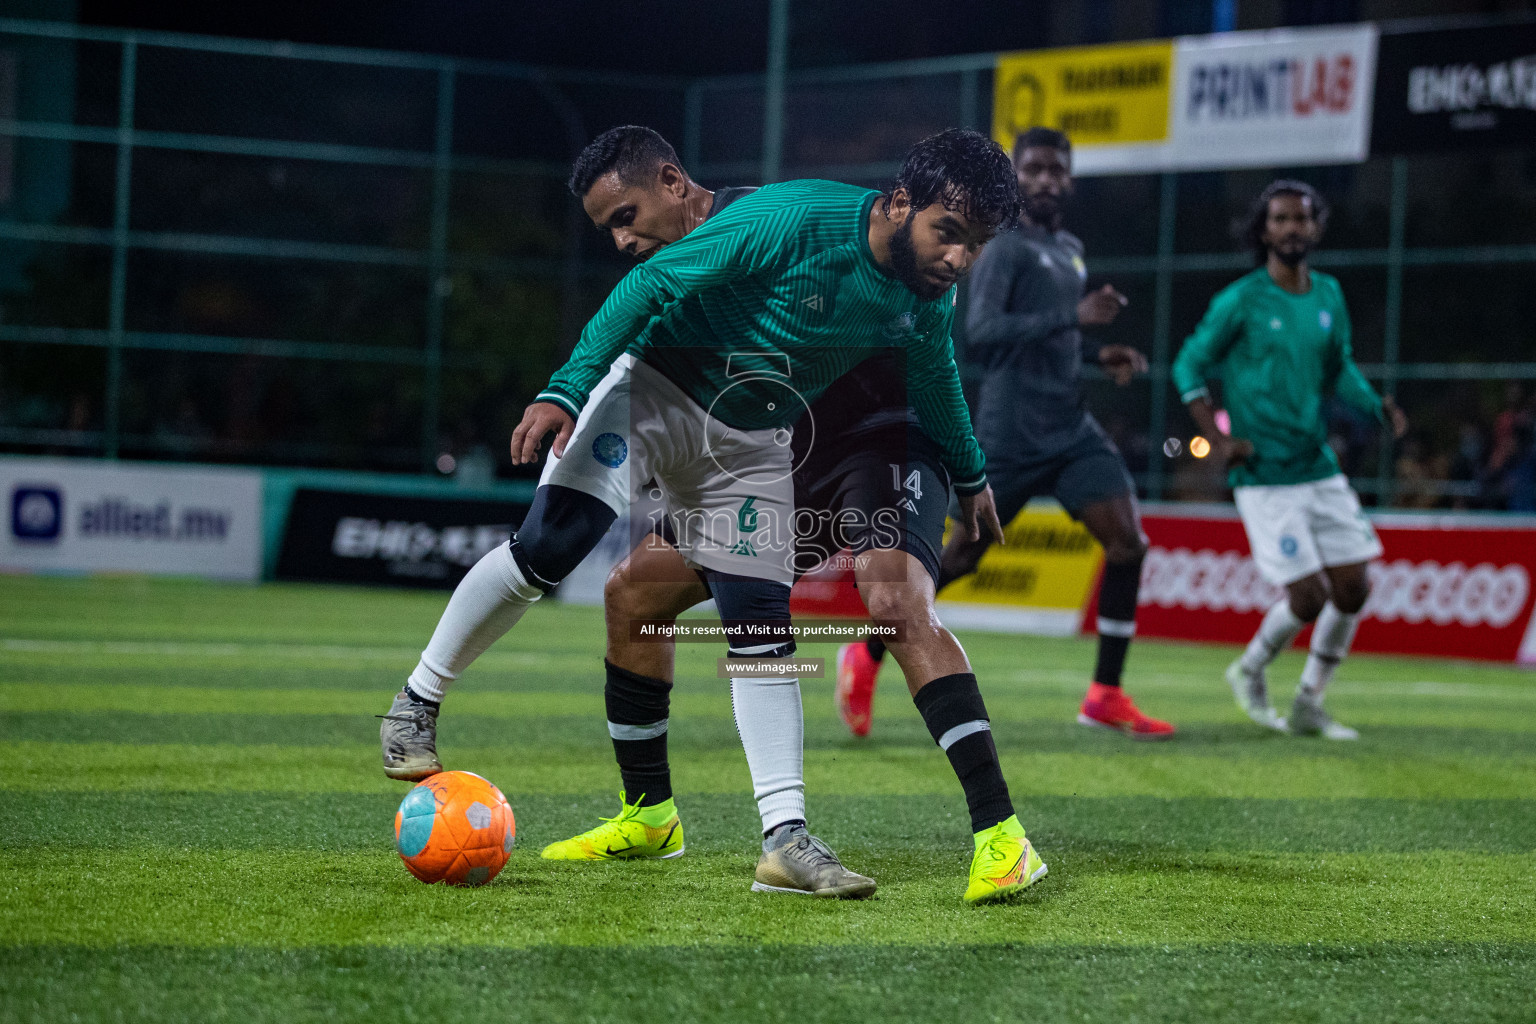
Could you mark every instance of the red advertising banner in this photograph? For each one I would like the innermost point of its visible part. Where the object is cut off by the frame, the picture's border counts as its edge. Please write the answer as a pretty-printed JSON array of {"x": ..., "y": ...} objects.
[{"x": 1448, "y": 586}]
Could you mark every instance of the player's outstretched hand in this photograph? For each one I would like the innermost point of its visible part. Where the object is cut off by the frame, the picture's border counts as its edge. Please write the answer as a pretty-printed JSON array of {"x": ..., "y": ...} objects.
[
  {"x": 539, "y": 419},
  {"x": 1396, "y": 416},
  {"x": 1122, "y": 363},
  {"x": 978, "y": 510},
  {"x": 1101, "y": 307},
  {"x": 1233, "y": 451}
]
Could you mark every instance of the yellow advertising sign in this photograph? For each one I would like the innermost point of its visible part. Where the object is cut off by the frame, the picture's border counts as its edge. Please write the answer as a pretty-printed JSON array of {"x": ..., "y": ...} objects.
[
  {"x": 1098, "y": 95},
  {"x": 1050, "y": 561}
]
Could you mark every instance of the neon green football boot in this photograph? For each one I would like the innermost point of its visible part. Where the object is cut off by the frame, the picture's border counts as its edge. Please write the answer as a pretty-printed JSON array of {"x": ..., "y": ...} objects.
[
  {"x": 1005, "y": 863},
  {"x": 638, "y": 833}
]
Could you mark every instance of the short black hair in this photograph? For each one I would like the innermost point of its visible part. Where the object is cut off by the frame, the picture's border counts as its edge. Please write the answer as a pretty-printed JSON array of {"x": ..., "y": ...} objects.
[
  {"x": 965, "y": 171},
  {"x": 1040, "y": 135},
  {"x": 635, "y": 152},
  {"x": 1251, "y": 231}
]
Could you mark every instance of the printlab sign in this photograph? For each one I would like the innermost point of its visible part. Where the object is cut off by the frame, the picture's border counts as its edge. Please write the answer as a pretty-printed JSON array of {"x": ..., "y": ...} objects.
[{"x": 1280, "y": 98}]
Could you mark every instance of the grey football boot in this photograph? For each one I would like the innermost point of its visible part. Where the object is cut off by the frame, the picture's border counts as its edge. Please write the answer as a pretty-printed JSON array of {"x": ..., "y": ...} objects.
[
  {"x": 1251, "y": 691},
  {"x": 408, "y": 736},
  {"x": 795, "y": 861},
  {"x": 1309, "y": 719}
]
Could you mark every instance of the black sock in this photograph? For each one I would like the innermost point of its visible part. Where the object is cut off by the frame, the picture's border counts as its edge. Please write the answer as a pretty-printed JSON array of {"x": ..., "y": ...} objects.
[
  {"x": 875, "y": 647},
  {"x": 416, "y": 698},
  {"x": 637, "y": 722},
  {"x": 1117, "y": 620},
  {"x": 957, "y": 717}
]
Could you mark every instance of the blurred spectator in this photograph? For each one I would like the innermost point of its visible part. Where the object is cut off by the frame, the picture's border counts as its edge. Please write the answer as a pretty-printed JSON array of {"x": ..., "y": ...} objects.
[
  {"x": 1509, "y": 425},
  {"x": 1419, "y": 475},
  {"x": 1467, "y": 468}
]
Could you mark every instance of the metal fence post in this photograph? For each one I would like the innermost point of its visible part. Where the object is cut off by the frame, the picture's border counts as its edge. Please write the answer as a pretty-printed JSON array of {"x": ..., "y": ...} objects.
[
  {"x": 438, "y": 282},
  {"x": 1392, "y": 327},
  {"x": 122, "y": 185},
  {"x": 968, "y": 83},
  {"x": 1162, "y": 331},
  {"x": 773, "y": 90},
  {"x": 693, "y": 125}
]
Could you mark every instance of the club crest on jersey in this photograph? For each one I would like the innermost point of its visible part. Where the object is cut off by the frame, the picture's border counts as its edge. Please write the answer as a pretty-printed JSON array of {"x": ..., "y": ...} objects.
[
  {"x": 1288, "y": 546},
  {"x": 900, "y": 327},
  {"x": 1324, "y": 319},
  {"x": 1276, "y": 323},
  {"x": 610, "y": 449}
]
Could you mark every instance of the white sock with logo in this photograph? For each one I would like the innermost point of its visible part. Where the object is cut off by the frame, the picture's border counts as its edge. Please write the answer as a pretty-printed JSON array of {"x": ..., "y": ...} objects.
[
  {"x": 488, "y": 602},
  {"x": 769, "y": 720},
  {"x": 1331, "y": 638},
  {"x": 1275, "y": 634}
]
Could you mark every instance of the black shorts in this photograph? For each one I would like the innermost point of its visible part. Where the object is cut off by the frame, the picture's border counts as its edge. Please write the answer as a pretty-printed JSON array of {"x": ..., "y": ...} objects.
[
  {"x": 884, "y": 494},
  {"x": 1087, "y": 471}
]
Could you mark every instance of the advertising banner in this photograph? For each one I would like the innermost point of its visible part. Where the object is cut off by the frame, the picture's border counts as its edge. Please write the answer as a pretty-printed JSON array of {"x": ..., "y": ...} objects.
[
  {"x": 82, "y": 515},
  {"x": 1037, "y": 582},
  {"x": 1236, "y": 99},
  {"x": 347, "y": 537},
  {"x": 1456, "y": 89},
  {"x": 1281, "y": 98},
  {"x": 1448, "y": 586},
  {"x": 1112, "y": 101}
]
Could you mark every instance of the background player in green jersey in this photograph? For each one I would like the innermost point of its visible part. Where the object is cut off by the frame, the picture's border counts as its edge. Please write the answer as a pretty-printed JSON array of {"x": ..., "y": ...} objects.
[
  {"x": 1279, "y": 341},
  {"x": 799, "y": 282},
  {"x": 871, "y": 482}
]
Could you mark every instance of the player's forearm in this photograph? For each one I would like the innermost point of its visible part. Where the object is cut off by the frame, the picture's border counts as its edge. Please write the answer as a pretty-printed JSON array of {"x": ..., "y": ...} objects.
[
  {"x": 1204, "y": 415},
  {"x": 572, "y": 383},
  {"x": 993, "y": 328},
  {"x": 1355, "y": 391},
  {"x": 989, "y": 322},
  {"x": 630, "y": 307},
  {"x": 1189, "y": 374},
  {"x": 946, "y": 419}
]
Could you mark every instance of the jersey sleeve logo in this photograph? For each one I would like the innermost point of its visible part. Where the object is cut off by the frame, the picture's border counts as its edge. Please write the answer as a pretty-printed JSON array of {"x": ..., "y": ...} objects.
[{"x": 1324, "y": 319}]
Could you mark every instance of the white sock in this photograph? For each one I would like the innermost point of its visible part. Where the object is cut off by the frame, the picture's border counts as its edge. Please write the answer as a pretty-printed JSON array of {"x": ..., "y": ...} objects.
[
  {"x": 1330, "y": 642},
  {"x": 1275, "y": 634},
  {"x": 488, "y": 601},
  {"x": 769, "y": 720}
]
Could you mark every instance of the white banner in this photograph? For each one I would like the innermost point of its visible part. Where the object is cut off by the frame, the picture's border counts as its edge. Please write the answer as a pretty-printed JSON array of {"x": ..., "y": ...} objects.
[
  {"x": 1283, "y": 98},
  {"x": 79, "y": 515}
]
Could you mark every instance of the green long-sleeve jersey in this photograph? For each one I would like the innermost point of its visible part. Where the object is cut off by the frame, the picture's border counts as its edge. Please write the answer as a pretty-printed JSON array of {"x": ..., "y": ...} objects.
[
  {"x": 780, "y": 284},
  {"x": 1277, "y": 355}
]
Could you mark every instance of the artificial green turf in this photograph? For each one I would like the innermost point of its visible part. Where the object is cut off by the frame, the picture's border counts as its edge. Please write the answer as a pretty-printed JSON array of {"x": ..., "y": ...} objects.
[{"x": 195, "y": 828}]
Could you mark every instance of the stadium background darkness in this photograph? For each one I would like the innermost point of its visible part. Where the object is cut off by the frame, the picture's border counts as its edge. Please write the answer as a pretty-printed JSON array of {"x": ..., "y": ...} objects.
[{"x": 522, "y": 274}]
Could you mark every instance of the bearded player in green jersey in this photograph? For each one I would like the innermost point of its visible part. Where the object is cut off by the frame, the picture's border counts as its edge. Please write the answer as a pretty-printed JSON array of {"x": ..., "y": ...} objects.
[
  {"x": 694, "y": 373},
  {"x": 1279, "y": 341}
]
